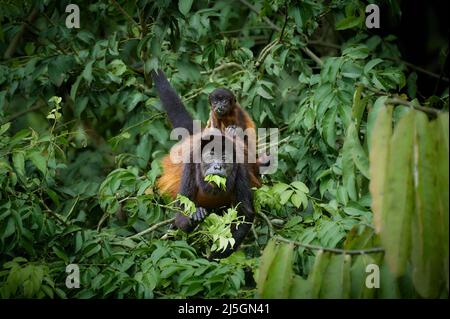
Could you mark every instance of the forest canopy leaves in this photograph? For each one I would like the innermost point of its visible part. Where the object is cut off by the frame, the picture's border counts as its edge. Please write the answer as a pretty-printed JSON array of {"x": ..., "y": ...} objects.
[{"x": 360, "y": 187}]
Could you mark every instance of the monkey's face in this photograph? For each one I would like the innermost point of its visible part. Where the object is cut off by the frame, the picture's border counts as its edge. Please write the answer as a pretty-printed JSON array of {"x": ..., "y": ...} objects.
[
  {"x": 214, "y": 163},
  {"x": 221, "y": 101}
]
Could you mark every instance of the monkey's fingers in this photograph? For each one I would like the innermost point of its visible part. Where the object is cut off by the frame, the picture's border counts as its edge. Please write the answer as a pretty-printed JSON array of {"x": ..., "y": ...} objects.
[
  {"x": 199, "y": 214},
  {"x": 230, "y": 130}
]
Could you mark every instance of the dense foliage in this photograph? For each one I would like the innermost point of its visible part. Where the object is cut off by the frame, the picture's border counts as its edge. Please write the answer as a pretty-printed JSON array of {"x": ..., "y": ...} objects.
[{"x": 363, "y": 159}]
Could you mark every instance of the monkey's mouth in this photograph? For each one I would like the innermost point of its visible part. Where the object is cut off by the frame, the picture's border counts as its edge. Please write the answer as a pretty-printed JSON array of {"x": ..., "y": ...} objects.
[
  {"x": 220, "y": 109},
  {"x": 219, "y": 172}
]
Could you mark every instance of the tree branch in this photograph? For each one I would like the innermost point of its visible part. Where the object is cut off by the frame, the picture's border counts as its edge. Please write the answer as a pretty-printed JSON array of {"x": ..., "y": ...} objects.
[
  {"x": 419, "y": 69},
  {"x": 118, "y": 7},
  {"x": 269, "y": 224},
  {"x": 307, "y": 51},
  {"x": 397, "y": 100},
  {"x": 152, "y": 228},
  {"x": 23, "y": 112},
  {"x": 15, "y": 41},
  {"x": 332, "y": 250},
  {"x": 223, "y": 67}
]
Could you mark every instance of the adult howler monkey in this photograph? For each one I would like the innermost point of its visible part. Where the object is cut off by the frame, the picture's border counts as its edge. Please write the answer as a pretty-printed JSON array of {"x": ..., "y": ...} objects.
[{"x": 188, "y": 178}]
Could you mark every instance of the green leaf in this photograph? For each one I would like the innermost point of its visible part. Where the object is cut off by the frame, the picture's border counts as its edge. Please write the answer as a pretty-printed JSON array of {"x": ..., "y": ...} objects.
[
  {"x": 284, "y": 197},
  {"x": 317, "y": 275},
  {"x": 441, "y": 127},
  {"x": 359, "y": 106},
  {"x": 280, "y": 187},
  {"x": 188, "y": 205},
  {"x": 279, "y": 276},
  {"x": 398, "y": 196},
  {"x": 80, "y": 105},
  {"x": 371, "y": 64},
  {"x": 379, "y": 155},
  {"x": 4, "y": 128},
  {"x": 220, "y": 181},
  {"x": 348, "y": 170},
  {"x": 300, "y": 288},
  {"x": 329, "y": 127},
  {"x": 296, "y": 200},
  {"x": 300, "y": 186},
  {"x": 358, "y": 154},
  {"x": 349, "y": 23},
  {"x": 426, "y": 251},
  {"x": 60, "y": 254},
  {"x": 19, "y": 163},
  {"x": 263, "y": 93},
  {"x": 184, "y": 6},
  {"x": 358, "y": 275},
  {"x": 87, "y": 72},
  {"x": 336, "y": 279},
  {"x": 265, "y": 262},
  {"x": 39, "y": 161}
]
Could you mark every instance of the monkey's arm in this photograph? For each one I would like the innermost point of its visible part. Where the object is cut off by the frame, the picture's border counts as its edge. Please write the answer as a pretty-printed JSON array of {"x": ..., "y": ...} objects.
[
  {"x": 243, "y": 197},
  {"x": 176, "y": 111},
  {"x": 188, "y": 188}
]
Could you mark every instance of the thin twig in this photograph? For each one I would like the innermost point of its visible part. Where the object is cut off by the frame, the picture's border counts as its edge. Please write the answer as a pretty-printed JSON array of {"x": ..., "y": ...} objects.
[
  {"x": 332, "y": 250},
  {"x": 223, "y": 67},
  {"x": 15, "y": 41},
  {"x": 23, "y": 112},
  {"x": 124, "y": 12},
  {"x": 285, "y": 23},
  {"x": 265, "y": 52},
  {"x": 102, "y": 220},
  {"x": 152, "y": 228},
  {"x": 255, "y": 235},
  {"x": 307, "y": 51},
  {"x": 52, "y": 213},
  {"x": 419, "y": 69},
  {"x": 324, "y": 44},
  {"x": 269, "y": 224},
  {"x": 396, "y": 100}
]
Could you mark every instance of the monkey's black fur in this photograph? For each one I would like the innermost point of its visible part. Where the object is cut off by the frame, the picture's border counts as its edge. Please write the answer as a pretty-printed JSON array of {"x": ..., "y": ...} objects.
[
  {"x": 192, "y": 184},
  {"x": 178, "y": 115}
]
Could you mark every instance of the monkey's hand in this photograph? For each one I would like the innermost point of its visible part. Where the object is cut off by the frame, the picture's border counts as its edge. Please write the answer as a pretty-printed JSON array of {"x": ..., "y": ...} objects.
[
  {"x": 220, "y": 255},
  {"x": 230, "y": 130},
  {"x": 199, "y": 215},
  {"x": 183, "y": 222},
  {"x": 187, "y": 224}
]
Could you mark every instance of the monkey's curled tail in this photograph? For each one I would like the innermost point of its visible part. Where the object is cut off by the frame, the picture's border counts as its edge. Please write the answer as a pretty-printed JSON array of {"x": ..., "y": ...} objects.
[{"x": 178, "y": 115}]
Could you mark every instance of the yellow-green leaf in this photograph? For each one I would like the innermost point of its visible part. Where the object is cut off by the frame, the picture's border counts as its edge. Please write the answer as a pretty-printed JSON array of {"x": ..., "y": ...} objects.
[
  {"x": 39, "y": 161},
  {"x": 398, "y": 196},
  {"x": 300, "y": 288},
  {"x": 264, "y": 264},
  {"x": 348, "y": 171},
  {"x": 426, "y": 241},
  {"x": 336, "y": 283},
  {"x": 280, "y": 274},
  {"x": 358, "y": 107},
  {"x": 441, "y": 126},
  {"x": 379, "y": 154},
  {"x": 358, "y": 154},
  {"x": 316, "y": 276}
]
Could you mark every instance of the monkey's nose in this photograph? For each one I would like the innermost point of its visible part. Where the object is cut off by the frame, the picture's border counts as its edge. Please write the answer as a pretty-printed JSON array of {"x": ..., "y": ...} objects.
[{"x": 217, "y": 166}]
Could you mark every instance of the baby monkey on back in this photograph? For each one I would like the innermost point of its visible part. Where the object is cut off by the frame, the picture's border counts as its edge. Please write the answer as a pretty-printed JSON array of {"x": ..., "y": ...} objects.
[{"x": 226, "y": 113}]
